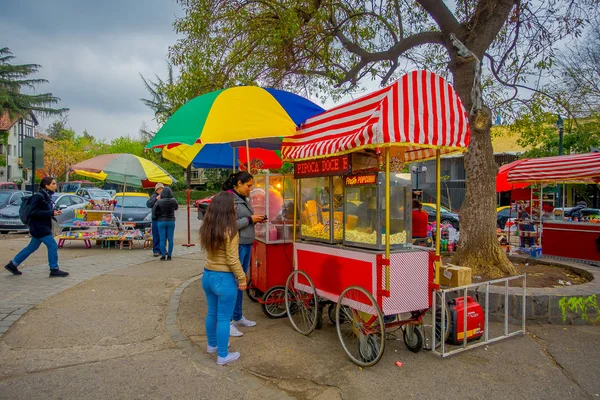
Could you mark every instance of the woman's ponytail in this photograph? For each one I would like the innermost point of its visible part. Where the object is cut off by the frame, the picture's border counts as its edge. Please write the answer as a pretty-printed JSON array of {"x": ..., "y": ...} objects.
[{"x": 229, "y": 182}]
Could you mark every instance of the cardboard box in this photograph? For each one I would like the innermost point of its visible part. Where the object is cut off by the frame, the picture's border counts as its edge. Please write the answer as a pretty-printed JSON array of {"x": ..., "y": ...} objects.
[{"x": 453, "y": 276}]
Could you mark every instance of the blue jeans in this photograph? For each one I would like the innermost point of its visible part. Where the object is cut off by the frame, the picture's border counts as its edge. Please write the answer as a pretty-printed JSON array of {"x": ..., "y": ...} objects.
[
  {"x": 155, "y": 237},
  {"x": 221, "y": 290},
  {"x": 245, "y": 251},
  {"x": 166, "y": 231},
  {"x": 33, "y": 245}
]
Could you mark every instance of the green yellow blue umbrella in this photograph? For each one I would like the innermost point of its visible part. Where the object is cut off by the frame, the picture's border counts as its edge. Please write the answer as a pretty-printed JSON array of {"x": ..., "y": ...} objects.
[{"x": 236, "y": 114}]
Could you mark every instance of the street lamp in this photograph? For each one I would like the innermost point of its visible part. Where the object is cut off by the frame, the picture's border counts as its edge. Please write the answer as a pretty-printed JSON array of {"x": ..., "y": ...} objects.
[
  {"x": 418, "y": 170},
  {"x": 561, "y": 129}
]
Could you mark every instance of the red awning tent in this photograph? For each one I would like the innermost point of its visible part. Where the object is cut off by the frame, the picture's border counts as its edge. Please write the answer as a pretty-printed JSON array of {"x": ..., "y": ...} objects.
[
  {"x": 417, "y": 114},
  {"x": 502, "y": 184},
  {"x": 573, "y": 168}
]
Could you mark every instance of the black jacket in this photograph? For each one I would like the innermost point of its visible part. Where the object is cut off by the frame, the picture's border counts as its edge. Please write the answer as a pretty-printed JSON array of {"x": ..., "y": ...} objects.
[
  {"x": 41, "y": 214},
  {"x": 164, "y": 210},
  {"x": 151, "y": 202}
]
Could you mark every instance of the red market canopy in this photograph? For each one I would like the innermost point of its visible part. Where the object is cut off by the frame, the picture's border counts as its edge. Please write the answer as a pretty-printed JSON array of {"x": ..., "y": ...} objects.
[
  {"x": 420, "y": 112},
  {"x": 574, "y": 168},
  {"x": 502, "y": 184}
]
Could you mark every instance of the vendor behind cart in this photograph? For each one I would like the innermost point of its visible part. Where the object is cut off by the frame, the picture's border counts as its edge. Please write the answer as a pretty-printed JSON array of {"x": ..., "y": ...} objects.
[{"x": 419, "y": 220}]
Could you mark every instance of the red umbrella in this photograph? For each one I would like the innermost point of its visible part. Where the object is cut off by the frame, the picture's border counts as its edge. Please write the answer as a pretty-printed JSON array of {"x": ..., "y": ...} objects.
[{"x": 502, "y": 184}]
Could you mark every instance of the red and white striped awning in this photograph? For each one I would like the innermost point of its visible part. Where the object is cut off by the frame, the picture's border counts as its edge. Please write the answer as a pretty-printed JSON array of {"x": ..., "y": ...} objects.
[
  {"x": 420, "y": 112},
  {"x": 582, "y": 168}
]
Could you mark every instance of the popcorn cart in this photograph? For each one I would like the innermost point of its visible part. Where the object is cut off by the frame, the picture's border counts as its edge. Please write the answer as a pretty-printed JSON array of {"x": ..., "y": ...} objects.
[
  {"x": 353, "y": 250},
  {"x": 271, "y": 260}
]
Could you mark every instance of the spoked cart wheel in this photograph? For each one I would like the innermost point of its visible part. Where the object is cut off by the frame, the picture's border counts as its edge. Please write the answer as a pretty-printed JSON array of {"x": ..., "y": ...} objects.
[
  {"x": 301, "y": 305},
  {"x": 428, "y": 320},
  {"x": 360, "y": 326},
  {"x": 273, "y": 302},
  {"x": 413, "y": 338},
  {"x": 253, "y": 293}
]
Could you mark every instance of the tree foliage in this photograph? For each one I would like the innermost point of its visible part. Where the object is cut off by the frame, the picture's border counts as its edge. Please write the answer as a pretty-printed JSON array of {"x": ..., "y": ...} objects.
[
  {"x": 331, "y": 47},
  {"x": 15, "y": 78},
  {"x": 574, "y": 92}
]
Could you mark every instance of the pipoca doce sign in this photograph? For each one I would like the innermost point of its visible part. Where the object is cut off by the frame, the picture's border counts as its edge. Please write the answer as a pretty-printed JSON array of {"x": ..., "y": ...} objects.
[{"x": 323, "y": 167}]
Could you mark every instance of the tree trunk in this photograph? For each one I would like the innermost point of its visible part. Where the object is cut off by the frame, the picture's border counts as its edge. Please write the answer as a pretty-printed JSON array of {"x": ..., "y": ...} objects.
[{"x": 479, "y": 248}]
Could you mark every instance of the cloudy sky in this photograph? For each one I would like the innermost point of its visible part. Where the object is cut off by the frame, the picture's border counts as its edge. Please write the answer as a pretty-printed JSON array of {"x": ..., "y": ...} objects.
[{"x": 92, "y": 52}]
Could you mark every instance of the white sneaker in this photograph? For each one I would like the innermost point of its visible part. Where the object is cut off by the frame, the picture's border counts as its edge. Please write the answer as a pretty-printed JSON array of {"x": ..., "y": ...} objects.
[
  {"x": 213, "y": 350},
  {"x": 231, "y": 357},
  {"x": 233, "y": 331},
  {"x": 244, "y": 322}
]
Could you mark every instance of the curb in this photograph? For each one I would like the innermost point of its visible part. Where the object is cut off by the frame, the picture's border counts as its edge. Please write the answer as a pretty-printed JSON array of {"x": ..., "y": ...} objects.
[
  {"x": 206, "y": 363},
  {"x": 566, "y": 305}
]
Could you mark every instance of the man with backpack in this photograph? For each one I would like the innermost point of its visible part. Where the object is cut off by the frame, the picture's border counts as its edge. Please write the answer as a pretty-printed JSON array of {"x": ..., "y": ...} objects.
[{"x": 38, "y": 212}]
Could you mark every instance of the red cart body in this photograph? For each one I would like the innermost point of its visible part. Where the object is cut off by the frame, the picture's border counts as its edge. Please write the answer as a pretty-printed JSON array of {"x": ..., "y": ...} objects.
[
  {"x": 333, "y": 268},
  {"x": 270, "y": 264}
]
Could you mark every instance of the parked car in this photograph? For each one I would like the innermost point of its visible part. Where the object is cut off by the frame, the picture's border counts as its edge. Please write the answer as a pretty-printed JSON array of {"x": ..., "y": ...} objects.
[
  {"x": 446, "y": 216},
  {"x": 502, "y": 215},
  {"x": 9, "y": 185},
  {"x": 94, "y": 194},
  {"x": 202, "y": 205},
  {"x": 9, "y": 196},
  {"x": 67, "y": 203},
  {"x": 133, "y": 206}
]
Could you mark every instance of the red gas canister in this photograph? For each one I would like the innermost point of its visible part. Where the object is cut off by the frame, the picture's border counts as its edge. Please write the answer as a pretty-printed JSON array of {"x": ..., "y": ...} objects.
[{"x": 475, "y": 320}]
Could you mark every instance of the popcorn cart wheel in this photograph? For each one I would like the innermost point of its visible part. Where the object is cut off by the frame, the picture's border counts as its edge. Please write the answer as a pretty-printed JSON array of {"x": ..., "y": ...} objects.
[
  {"x": 273, "y": 302},
  {"x": 253, "y": 293},
  {"x": 302, "y": 305},
  {"x": 360, "y": 323}
]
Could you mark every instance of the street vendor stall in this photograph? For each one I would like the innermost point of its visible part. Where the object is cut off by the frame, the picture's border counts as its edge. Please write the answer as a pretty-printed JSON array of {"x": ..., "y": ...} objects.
[
  {"x": 565, "y": 238},
  {"x": 271, "y": 262},
  {"x": 353, "y": 247}
]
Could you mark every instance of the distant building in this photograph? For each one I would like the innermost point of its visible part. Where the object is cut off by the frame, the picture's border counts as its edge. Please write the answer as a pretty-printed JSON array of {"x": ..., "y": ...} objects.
[
  {"x": 18, "y": 129},
  {"x": 506, "y": 150},
  {"x": 198, "y": 180}
]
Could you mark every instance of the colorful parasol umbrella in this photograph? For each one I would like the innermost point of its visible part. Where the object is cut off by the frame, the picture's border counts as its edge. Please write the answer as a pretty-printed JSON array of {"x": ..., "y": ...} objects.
[
  {"x": 236, "y": 114},
  {"x": 502, "y": 184},
  {"x": 224, "y": 156},
  {"x": 124, "y": 168}
]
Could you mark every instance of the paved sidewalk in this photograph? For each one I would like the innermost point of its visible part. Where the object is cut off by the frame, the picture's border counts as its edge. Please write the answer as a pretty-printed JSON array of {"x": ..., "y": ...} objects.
[{"x": 18, "y": 294}]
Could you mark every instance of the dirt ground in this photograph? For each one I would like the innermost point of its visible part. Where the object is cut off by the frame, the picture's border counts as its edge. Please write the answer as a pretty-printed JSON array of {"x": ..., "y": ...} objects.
[{"x": 539, "y": 275}]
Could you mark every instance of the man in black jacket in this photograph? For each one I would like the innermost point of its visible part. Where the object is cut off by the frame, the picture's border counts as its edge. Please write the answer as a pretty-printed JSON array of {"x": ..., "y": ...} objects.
[
  {"x": 150, "y": 204},
  {"x": 40, "y": 228}
]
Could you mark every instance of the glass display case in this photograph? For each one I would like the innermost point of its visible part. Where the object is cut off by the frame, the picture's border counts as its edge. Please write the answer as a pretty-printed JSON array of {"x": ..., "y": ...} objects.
[
  {"x": 365, "y": 210},
  {"x": 273, "y": 195},
  {"x": 321, "y": 208}
]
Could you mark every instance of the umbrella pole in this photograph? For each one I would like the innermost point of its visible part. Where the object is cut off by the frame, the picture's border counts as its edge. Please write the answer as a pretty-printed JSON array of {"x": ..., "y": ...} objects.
[
  {"x": 233, "y": 161},
  {"x": 248, "y": 155},
  {"x": 187, "y": 195},
  {"x": 123, "y": 205}
]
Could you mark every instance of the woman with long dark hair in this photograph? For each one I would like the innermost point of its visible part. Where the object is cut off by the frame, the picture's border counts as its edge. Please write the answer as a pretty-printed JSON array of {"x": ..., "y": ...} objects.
[
  {"x": 223, "y": 274},
  {"x": 41, "y": 213},
  {"x": 240, "y": 184}
]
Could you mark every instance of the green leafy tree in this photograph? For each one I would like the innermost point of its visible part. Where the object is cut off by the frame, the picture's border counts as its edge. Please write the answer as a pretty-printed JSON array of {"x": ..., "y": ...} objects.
[
  {"x": 13, "y": 78},
  {"x": 332, "y": 47},
  {"x": 158, "y": 101}
]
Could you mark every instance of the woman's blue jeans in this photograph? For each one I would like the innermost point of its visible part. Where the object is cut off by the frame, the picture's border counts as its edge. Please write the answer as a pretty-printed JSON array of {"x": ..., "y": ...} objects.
[
  {"x": 33, "y": 245},
  {"x": 166, "y": 231},
  {"x": 221, "y": 290},
  {"x": 245, "y": 251}
]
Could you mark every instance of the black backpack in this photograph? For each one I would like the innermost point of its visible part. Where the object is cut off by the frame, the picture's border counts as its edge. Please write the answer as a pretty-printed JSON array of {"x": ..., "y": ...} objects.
[{"x": 25, "y": 209}]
